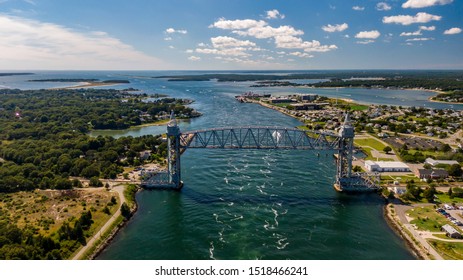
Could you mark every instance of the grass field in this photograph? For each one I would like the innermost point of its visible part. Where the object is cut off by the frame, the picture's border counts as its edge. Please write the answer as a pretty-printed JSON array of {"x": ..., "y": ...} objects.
[
  {"x": 426, "y": 218},
  {"x": 47, "y": 210},
  {"x": 448, "y": 250},
  {"x": 444, "y": 198},
  {"x": 369, "y": 142},
  {"x": 358, "y": 107}
]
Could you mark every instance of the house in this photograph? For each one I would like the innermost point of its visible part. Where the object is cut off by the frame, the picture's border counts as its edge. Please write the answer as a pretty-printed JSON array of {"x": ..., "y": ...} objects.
[
  {"x": 451, "y": 232},
  {"x": 144, "y": 155},
  {"x": 431, "y": 174},
  {"x": 386, "y": 166}
]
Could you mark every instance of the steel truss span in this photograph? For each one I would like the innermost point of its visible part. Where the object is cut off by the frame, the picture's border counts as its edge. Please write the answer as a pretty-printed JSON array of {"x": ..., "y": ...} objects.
[
  {"x": 259, "y": 138},
  {"x": 256, "y": 137}
]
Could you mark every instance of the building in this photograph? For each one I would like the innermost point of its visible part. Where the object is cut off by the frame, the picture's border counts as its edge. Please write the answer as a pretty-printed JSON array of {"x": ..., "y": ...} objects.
[
  {"x": 308, "y": 97},
  {"x": 281, "y": 100},
  {"x": 308, "y": 106},
  {"x": 431, "y": 174},
  {"x": 434, "y": 162},
  {"x": 386, "y": 166},
  {"x": 451, "y": 232},
  {"x": 144, "y": 155}
]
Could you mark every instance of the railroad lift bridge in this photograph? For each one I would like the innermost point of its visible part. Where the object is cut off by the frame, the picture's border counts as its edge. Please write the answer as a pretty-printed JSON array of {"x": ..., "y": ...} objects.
[{"x": 263, "y": 137}]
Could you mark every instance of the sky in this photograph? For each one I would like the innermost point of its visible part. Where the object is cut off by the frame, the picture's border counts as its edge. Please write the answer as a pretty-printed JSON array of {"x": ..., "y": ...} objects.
[{"x": 230, "y": 35}]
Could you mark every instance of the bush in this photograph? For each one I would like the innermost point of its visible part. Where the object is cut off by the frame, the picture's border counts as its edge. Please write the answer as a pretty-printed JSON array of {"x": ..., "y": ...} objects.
[{"x": 95, "y": 182}]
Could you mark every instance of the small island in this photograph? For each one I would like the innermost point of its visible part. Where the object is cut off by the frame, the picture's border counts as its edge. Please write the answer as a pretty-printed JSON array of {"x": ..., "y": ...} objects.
[
  {"x": 449, "y": 84},
  {"x": 86, "y": 82}
]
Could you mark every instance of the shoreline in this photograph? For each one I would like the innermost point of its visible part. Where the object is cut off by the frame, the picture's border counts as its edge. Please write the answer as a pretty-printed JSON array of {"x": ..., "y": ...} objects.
[
  {"x": 105, "y": 242},
  {"x": 394, "y": 225},
  {"x": 89, "y": 85},
  {"x": 430, "y": 99},
  {"x": 399, "y": 229}
]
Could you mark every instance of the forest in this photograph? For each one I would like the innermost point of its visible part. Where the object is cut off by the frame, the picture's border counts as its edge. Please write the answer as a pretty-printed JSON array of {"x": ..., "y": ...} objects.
[{"x": 44, "y": 141}]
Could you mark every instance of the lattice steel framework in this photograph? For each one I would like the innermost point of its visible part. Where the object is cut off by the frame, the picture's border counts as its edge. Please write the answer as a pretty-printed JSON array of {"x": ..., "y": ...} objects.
[{"x": 254, "y": 137}]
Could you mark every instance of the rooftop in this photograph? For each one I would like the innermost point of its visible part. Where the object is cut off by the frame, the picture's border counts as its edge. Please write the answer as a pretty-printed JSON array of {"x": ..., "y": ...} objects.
[{"x": 387, "y": 164}]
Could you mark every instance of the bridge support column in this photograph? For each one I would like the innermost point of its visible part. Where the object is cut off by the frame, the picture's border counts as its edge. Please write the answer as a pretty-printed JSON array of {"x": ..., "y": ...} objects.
[
  {"x": 173, "y": 153},
  {"x": 345, "y": 179}
]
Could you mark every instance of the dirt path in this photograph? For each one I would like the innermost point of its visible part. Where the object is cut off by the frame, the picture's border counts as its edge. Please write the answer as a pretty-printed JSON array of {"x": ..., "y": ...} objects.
[{"x": 119, "y": 189}]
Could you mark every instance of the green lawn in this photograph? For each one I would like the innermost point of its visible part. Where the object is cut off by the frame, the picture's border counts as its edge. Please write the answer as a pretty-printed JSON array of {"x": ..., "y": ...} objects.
[
  {"x": 448, "y": 250},
  {"x": 358, "y": 107},
  {"x": 370, "y": 142},
  {"x": 426, "y": 218},
  {"x": 444, "y": 198}
]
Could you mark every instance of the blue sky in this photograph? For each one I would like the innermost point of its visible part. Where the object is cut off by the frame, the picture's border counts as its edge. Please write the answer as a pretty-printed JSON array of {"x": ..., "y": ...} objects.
[{"x": 230, "y": 35}]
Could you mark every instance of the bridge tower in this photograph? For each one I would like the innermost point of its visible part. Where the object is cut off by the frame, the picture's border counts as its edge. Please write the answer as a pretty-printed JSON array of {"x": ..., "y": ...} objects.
[
  {"x": 173, "y": 153},
  {"x": 346, "y": 181}
]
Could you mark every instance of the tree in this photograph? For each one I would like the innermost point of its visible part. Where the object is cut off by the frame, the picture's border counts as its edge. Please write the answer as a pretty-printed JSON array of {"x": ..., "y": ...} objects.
[
  {"x": 125, "y": 211},
  {"x": 429, "y": 193},
  {"x": 387, "y": 149},
  {"x": 446, "y": 148},
  {"x": 357, "y": 168},
  {"x": 455, "y": 170},
  {"x": 95, "y": 182}
]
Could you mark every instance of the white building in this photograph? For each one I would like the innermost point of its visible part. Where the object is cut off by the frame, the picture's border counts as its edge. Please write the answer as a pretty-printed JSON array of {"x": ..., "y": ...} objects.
[
  {"x": 434, "y": 162},
  {"x": 386, "y": 166}
]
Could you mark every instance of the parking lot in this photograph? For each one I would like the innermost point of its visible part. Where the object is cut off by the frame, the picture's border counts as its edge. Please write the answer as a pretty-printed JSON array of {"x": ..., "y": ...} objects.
[
  {"x": 453, "y": 215},
  {"x": 413, "y": 143}
]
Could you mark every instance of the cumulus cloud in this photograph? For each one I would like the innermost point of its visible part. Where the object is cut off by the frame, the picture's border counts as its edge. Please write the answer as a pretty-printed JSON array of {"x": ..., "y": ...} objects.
[
  {"x": 32, "y": 44},
  {"x": 419, "y": 39},
  {"x": 365, "y": 42},
  {"x": 358, "y": 8},
  {"x": 335, "y": 28},
  {"x": 407, "y": 19},
  {"x": 229, "y": 42},
  {"x": 424, "y": 3},
  {"x": 383, "y": 6},
  {"x": 171, "y": 30},
  {"x": 194, "y": 58},
  {"x": 291, "y": 42},
  {"x": 373, "y": 34},
  {"x": 416, "y": 33},
  {"x": 227, "y": 46},
  {"x": 285, "y": 36},
  {"x": 452, "y": 31},
  {"x": 301, "y": 54},
  {"x": 264, "y": 32},
  {"x": 428, "y": 28},
  {"x": 274, "y": 14},
  {"x": 237, "y": 24}
]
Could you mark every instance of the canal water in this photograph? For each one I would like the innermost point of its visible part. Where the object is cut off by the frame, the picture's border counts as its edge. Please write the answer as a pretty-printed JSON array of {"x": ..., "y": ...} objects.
[{"x": 249, "y": 204}]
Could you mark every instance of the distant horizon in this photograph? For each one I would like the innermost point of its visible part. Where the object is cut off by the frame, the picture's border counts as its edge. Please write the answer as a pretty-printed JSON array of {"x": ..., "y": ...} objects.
[{"x": 219, "y": 70}]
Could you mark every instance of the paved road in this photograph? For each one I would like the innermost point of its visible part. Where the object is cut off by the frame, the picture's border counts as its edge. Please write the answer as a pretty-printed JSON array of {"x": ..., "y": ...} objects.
[
  {"x": 120, "y": 191},
  {"x": 400, "y": 209}
]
